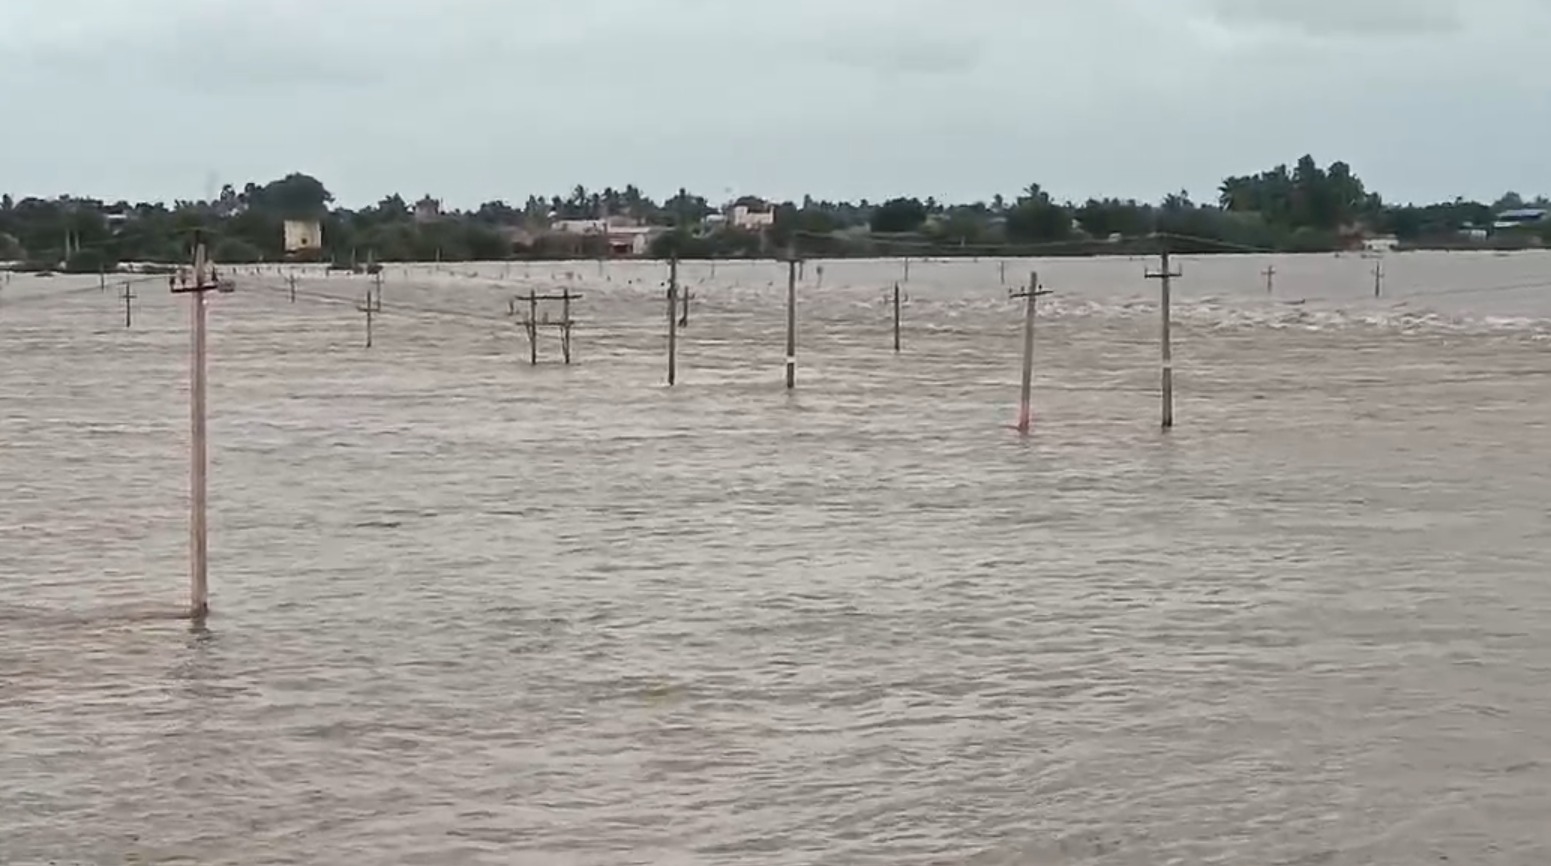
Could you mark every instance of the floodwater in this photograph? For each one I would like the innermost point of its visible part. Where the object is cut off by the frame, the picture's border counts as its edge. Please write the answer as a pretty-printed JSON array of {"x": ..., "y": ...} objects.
[{"x": 469, "y": 611}]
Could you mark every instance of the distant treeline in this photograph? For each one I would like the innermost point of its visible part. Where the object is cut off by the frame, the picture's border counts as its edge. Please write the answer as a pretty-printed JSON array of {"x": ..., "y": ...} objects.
[{"x": 1304, "y": 208}]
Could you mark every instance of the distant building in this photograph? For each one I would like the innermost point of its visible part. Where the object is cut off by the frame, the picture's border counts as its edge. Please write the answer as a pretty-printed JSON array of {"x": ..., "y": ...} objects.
[
  {"x": 1524, "y": 217},
  {"x": 303, "y": 236},
  {"x": 519, "y": 236},
  {"x": 751, "y": 219},
  {"x": 581, "y": 227},
  {"x": 631, "y": 240},
  {"x": 1381, "y": 243},
  {"x": 428, "y": 210},
  {"x": 622, "y": 240}
]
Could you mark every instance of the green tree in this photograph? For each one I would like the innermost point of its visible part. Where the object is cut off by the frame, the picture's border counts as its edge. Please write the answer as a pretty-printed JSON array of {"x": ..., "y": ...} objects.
[
  {"x": 90, "y": 260},
  {"x": 898, "y": 215},
  {"x": 235, "y": 250},
  {"x": 1036, "y": 218},
  {"x": 295, "y": 196}
]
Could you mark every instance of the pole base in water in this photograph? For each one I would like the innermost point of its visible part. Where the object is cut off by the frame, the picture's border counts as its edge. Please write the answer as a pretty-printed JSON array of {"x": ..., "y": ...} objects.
[{"x": 1024, "y": 419}]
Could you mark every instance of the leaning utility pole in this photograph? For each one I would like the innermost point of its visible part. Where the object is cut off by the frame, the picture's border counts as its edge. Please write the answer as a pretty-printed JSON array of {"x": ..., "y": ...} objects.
[
  {"x": 1270, "y": 274},
  {"x": 1166, "y": 363},
  {"x": 199, "y": 586}
]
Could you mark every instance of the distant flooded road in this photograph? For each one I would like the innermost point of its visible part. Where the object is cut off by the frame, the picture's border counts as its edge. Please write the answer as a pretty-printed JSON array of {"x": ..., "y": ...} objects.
[{"x": 470, "y": 611}]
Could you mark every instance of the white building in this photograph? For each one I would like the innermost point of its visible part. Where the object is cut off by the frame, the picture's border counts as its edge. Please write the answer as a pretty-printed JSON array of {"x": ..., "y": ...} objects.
[
  {"x": 428, "y": 210},
  {"x": 303, "y": 236},
  {"x": 631, "y": 240},
  {"x": 581, "y": 227},
  {"x": 752, "y": 220}
]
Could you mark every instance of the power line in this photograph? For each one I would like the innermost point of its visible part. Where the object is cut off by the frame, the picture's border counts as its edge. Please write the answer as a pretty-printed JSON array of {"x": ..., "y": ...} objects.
[
  {"x": 396, "y": 308},
  {"x": 70, "y": 292}
]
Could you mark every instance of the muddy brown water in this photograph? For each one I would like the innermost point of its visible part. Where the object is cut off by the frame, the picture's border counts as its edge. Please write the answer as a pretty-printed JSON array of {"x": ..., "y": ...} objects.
[{"x": 469, "y": 611}]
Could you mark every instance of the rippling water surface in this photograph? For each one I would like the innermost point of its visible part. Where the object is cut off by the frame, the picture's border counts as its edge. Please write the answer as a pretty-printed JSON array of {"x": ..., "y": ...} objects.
[{"x": 471, "y": 611}]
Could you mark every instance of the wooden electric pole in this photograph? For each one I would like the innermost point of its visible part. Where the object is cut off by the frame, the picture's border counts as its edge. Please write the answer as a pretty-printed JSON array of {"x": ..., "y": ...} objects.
[
  {"x": 1270, "y": 274},
  {"x": 1378, "y": 279}
]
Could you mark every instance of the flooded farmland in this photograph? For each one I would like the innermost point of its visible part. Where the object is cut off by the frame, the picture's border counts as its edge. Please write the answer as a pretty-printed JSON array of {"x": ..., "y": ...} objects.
[{"x": 470, "y": 611}]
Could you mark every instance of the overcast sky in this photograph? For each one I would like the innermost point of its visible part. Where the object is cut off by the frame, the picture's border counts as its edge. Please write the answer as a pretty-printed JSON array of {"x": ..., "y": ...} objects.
[{"x": 472, "y": 100}]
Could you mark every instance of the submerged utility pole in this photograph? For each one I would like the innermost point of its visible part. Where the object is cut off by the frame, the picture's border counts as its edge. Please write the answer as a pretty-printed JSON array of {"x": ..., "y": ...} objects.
[
  {"x": 376, "y": 269},
  {"x": 531, "y": 323},
  {"x": 1166, "y": 362},
  {"x": 673, "y": 281},
  {"x": 1378, "y": 278},
  {"x": 896, "y": 318},
  {"x": 1270, "y": 274},
  {"x": 533, "y": 328},
  {"x": 791, "y": 321},
  {"x": 371, "y": 306},
  {"x": 292, "y": 280},
  {"x": 565, "y": 323},
  {"x": 1026, "y": 392},
  {"x": 673, "y": 325},
  {"x": 129, "y": 296},
  {"x": 199, "y": 586}
]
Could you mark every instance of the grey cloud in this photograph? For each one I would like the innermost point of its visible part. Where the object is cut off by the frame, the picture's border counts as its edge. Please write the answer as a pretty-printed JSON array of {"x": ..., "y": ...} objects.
[
  {"x": 472, "y": 99},
  {"x": 1345, "y": 17},
  {"x": 909, "y": 53}
]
